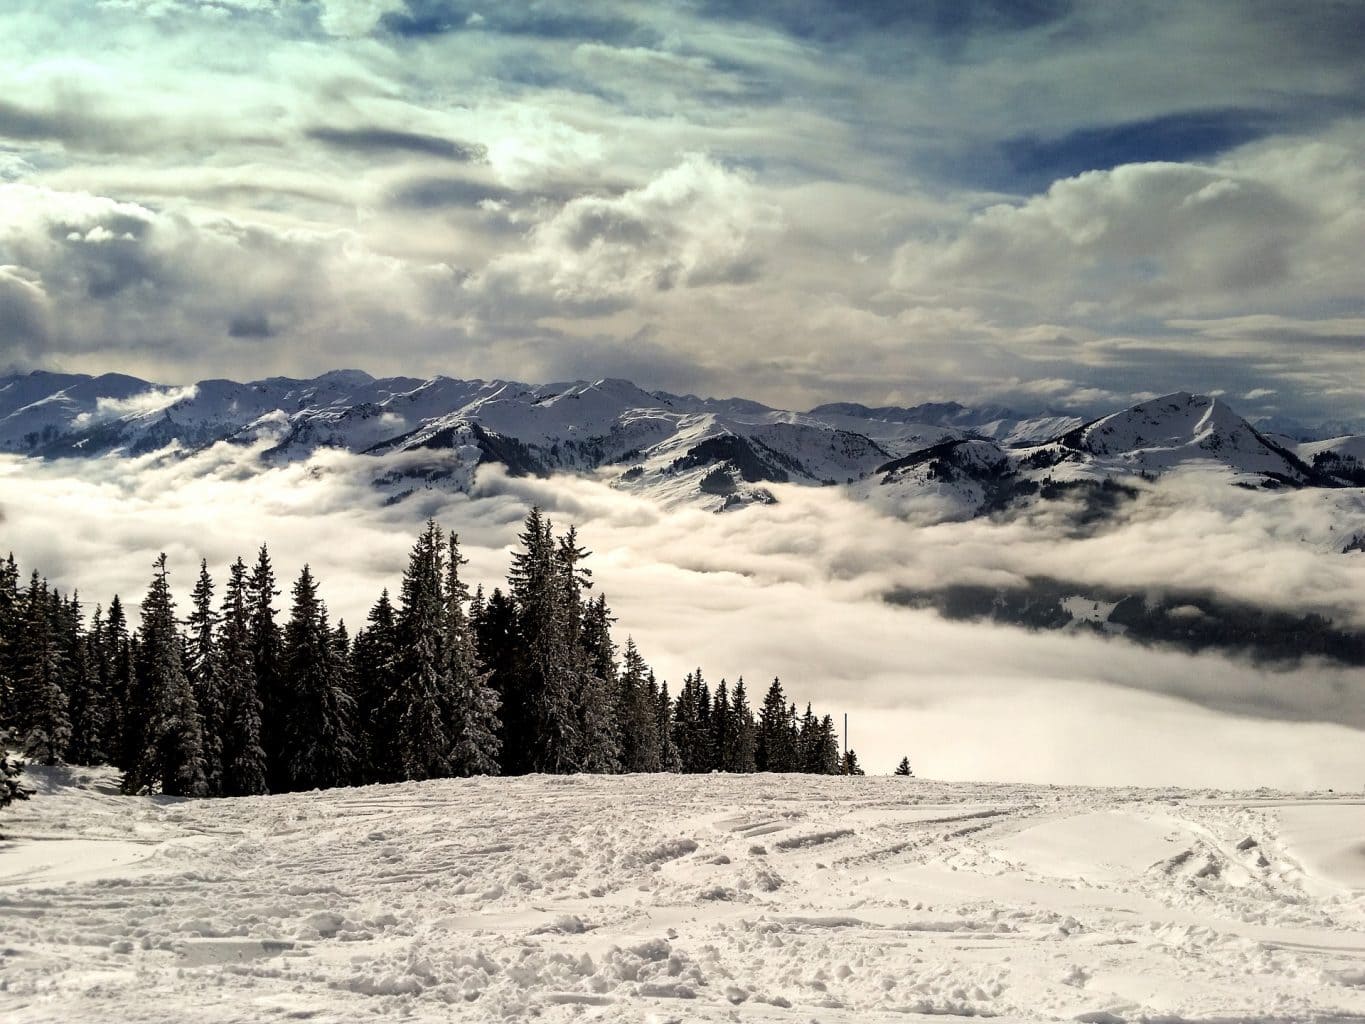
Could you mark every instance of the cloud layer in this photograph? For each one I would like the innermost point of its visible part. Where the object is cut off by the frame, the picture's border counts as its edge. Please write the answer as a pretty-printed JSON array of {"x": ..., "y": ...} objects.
[
  {"x": 823, "y": 201},
  {"x": 797, "y": 590}
]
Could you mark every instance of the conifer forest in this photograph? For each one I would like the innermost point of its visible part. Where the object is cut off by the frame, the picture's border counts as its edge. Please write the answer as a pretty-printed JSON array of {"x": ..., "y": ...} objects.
[{"x": 239, "y": 697}]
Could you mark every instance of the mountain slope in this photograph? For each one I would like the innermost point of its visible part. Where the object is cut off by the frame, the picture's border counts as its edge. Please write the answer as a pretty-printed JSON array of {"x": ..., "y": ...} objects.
[{"x": 673, "y": 448}]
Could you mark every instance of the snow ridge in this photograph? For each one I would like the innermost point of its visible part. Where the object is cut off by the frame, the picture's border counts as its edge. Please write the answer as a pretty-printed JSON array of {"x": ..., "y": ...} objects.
[{"x": 722, "y": 453}]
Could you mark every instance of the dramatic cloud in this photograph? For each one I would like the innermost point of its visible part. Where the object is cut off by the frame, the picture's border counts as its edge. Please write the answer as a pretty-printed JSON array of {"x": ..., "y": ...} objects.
[
  {"x": 798, "y": 590},
  {"x": 826, "y": 200},
  {"x": 694, "y": 225}
]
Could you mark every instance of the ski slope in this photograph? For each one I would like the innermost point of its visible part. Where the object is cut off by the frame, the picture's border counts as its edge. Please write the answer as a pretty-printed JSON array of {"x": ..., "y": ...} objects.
[{"x": 664, "y": 898}]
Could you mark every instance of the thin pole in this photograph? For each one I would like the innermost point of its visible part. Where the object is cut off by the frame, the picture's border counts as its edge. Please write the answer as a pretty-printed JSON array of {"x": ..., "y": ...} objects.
[{"x": 845, "y": 732}]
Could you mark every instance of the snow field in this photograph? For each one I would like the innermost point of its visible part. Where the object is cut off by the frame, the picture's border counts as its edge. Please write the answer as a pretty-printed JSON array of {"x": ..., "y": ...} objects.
[{"x": 657, "y": 898}]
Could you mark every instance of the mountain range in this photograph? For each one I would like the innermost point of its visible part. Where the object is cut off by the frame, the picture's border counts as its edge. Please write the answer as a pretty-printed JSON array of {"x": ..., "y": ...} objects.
[{"x": 721, "y": 453}]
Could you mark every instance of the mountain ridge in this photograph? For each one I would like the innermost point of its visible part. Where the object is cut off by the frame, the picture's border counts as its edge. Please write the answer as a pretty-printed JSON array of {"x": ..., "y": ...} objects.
[{"x": 721, "y": 453}]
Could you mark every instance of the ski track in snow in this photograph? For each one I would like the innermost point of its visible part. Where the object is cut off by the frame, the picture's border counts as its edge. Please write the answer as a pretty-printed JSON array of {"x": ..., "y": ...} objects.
[{"x": 681, "y": 898}]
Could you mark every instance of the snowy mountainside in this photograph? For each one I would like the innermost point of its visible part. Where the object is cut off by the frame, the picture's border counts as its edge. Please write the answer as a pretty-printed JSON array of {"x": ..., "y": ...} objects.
[
  {"x": 677, "y": 897},
  {"x": 1103, "y": 458},
  {"x": 1181, "y": 428},
  {"x": 1342, "y": 458},
  {"x": 673, "y": 448}
]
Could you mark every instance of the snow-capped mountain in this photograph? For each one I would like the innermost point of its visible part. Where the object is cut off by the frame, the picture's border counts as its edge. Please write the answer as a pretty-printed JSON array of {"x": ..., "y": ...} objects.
[
  {"x": 1178, "y": 431},
  {"x": 675, "y": 448}
]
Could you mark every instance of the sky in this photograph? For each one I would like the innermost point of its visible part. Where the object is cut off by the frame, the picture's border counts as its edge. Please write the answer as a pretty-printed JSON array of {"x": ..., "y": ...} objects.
[{"x": 1039, "y": 202}]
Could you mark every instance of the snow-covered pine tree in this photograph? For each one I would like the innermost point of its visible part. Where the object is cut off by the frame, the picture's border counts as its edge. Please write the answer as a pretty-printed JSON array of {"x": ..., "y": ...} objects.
[
  {"x": 635, "y": 712},
  {"x": 205, "y": 669},
  {"x": 722, "y": 728},
  {"x": 548, "y": 655},
  {"x": 500, "y": 655},
  {"x": 669, "y": 760},
  {"x": 774, "y": 750},
  {"x": 422, "y": 696},
  {"x": 904, "y": 768},
  {"x": 829, "y": 760},
  {"x": 116, "y": 649},
  {"x": 809, "y": 743},
  {"x": 599, "y": 721},
  {"x": 267, "y": 657},
  {"x": 101, "y": 731},
  {"x": 243, "y": 757},
  {"x": 12, "y": 786},
  {"x": 705, "y": 754},
  {"x": 86, "y": 704},
  {"x": 687, "y": 727},
  {"x": 11, "y": 615},
  {"x": 374, "y": 668},
  {"x": 165, "y": 722},
  {"x": 40, "y": 704},
  {"x": 596, "y": 745},
  {"x": 473, "y": 711},
  {"x": 341, "y": 659},
  {"x": 10, "y": 619},
  {"x": 741, "y": 759},
  {"x": 314, "y": 726}
]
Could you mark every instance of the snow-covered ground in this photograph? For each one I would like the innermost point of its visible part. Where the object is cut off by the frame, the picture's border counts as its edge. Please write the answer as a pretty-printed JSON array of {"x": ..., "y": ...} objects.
[{"x": 639, "y": 898}]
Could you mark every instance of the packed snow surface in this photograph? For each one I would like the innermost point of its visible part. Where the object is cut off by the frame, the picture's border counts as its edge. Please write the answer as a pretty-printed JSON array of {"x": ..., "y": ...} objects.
[{"x": 694, "y": 898}]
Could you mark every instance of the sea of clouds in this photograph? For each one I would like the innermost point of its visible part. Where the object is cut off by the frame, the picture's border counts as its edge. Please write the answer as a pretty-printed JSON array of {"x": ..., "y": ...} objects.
[{"x": 798, "y": 590}]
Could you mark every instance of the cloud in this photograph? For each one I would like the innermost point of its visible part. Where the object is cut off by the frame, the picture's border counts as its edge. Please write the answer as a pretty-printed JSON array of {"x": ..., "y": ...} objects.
[
  {"x": 25, "y": 313},
  {"x": 140, "y": 404},
  {"x": 797, "y": 590},
  {"x": 695, "y": 225},
  {"x": 355, "y": 17},
  {"x": 878, "y": 221},
  {"x": 90, "y": 272},
  {"x": 1106, "y": 244},
  {"x": 380, "y": 141}
]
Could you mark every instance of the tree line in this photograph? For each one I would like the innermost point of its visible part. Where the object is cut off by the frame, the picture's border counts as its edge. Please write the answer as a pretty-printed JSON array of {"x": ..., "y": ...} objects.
[{"x": 232, "y": 701}]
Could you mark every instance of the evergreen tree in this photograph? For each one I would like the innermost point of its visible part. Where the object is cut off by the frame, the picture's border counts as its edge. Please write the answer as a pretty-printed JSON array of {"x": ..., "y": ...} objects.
[
  {"x": 669, "y": 760},
  {"x": 473, "y": 711},
  {"x": 704, "y": 755},
  {"x": 499, "y": 653},
  {"x": 205, "y": 669},
  {"x": 267, "y": 657},
  {"x": 722, "y": 729},
  {"x": 810, "y": 743},
  {"x": 636, "y": 714},
  {"x": 774, "y": 750},
  {"x": 165, "y": 722},
  {"x": 12, "y": 786},
  {"x": 374, "y": 667},
  {"x": 40, "y": 704},
  {"x": 423, "y": 693},
  {"x": 11, "y": 616},
  {"x": 547, "y": 675},
  {"x": 116, "y": 650},
  {"x": 904, "y": 767},
  {"x": 689, "y": 732},
  {"x": 849, "y": 765},
  {"x": 599, "y": 725},
  {"x": 87, "y": 700},
  {"x": 243, "y": 757},
  {"x": 314, "y": 727},
  {"x": 829, "y": 760},
  {"x": 741, "y": 758}
]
